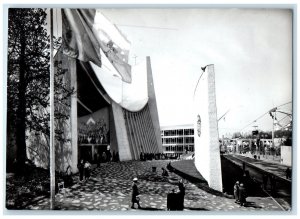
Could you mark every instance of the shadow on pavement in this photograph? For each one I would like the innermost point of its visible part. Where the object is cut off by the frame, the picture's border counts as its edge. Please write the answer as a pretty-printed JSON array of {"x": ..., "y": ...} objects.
[
  {"x": 151, "y": 209},
  {"x": 252, "y": 204},
  {"x": 196, "y": 209}
]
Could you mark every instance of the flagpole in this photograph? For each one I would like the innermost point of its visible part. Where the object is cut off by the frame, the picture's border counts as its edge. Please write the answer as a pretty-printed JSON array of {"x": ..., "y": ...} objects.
[{"x": 52, "y": 148}]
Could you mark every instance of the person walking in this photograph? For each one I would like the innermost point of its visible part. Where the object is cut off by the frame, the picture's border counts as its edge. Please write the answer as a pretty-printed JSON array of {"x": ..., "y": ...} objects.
[
  {"x": 135, "y": 194},
  {"x": 236, "y": 191}
]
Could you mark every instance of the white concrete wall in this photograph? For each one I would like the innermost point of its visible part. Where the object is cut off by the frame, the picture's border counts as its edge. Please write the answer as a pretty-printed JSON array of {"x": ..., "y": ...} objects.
[
  {"x": 121, "y": 133},
  {"x": 286, "y": 155},
  {"x": 207, "y": 152}
]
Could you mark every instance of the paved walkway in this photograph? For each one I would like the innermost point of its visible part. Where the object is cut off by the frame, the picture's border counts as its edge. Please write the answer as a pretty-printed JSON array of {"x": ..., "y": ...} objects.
[{"x": 110, "y": 189}]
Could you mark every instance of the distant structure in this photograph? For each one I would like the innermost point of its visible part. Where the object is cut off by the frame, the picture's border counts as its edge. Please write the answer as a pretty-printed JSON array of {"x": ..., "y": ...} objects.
[
  {"x": 177, "y": 140},
  {"x": 207, "y": 150}
]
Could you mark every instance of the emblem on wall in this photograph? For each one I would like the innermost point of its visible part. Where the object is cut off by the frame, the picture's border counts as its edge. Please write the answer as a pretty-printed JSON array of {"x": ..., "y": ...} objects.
[{"x": 199, "y": 125}]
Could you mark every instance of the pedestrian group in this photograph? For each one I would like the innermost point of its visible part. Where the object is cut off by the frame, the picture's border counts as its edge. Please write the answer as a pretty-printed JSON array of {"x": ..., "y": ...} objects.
[{"x": 240, "y": 194}]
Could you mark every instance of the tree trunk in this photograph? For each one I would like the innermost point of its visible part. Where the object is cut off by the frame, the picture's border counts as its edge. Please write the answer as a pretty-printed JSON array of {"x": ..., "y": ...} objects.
[{"x": 21, "y": 111}]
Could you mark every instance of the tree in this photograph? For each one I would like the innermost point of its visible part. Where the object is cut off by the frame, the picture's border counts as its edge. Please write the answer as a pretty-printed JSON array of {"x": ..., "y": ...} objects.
[
  {"x": 236, "y": 135},
  {"x": 29, "y": 80},
  {"x": 28, "y": 76}
]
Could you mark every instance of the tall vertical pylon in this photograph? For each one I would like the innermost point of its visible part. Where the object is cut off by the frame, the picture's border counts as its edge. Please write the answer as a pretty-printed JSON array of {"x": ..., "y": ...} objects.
[{"x": 207, "y": 151}]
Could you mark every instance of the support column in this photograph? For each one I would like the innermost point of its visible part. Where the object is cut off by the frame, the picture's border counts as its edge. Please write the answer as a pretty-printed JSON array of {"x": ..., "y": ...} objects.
[
  {"x": 93, "y": 152},
  {"x": 135, "y": 136},
  {"x": 207, "y": 151},
  {"x": 153, "y": 108},
  {"x": 121, "y": 132},
  {"x": 73, "y": 115}
]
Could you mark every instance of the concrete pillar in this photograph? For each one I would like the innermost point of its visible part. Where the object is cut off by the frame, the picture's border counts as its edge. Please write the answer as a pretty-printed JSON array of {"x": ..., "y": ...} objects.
[
  {"x": 121, "y": 132},
  {"x": 145, "y": 130},
  {"x": 93, "y": 152},
  {"x": 73, "y": 115},
  {"x": 207, "y": 150},
  {"x": 152, "y": 106},
  {"x": 129, "y": 130}
]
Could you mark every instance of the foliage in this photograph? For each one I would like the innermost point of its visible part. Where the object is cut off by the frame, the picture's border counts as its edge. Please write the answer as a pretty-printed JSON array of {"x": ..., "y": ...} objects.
[
  {"x": 28, "y": 87},
  {"x": 22, "y": 190},
  {"x": 28, "y": 76}
]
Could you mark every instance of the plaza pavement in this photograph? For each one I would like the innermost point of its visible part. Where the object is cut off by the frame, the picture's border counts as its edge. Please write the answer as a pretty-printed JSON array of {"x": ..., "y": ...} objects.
[{"x": 109, "y": 189}]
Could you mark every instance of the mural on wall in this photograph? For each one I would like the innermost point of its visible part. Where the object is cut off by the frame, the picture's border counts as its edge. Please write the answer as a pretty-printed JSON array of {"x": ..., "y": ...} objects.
[{"x": 94, "y": 128}]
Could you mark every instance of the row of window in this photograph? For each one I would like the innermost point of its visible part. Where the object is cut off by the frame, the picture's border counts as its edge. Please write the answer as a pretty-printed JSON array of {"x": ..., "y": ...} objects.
[
  {"x": 177, "y": 132},
  {"x": 179, "y": 148},
  {"x": 179, "y": 140}
]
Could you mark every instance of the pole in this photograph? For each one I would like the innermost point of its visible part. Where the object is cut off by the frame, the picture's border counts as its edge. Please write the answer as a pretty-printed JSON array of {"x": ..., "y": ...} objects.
[
  {"x": 273, "y": 135},
  {"x": 52, "y": 149}
]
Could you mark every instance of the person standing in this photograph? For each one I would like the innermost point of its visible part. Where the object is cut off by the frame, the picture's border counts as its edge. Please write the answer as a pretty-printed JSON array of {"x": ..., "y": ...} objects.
[
  {"x": 108, "y": 153},
  {"x": 80, "y": 167},
  {"x": 273, "y": 184},
  {"x": 87, "y": 169},
  {"x": 181, "y": 194},
  {"x": 164, "y": 172},
  {"x": 288, "y": 173},
  {"x": 236, "y": 191},
  {"x": 242, "y": 195},
  {"x": 98, "y": 159},
  {"x": 265, "y": 181},
  {"x": 135, "y": 193},
  {"x": 104, "y": 157}
]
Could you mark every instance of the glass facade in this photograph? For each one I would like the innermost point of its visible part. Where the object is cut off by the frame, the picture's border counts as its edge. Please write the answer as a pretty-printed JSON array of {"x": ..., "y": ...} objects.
[{"x": 177, "y": 140}]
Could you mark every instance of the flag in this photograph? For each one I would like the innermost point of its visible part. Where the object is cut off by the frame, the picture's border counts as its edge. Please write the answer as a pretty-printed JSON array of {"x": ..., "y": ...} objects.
[
  {"x": 86, "y": 32},
  {"x": 133, "y": 96},
  {"x": 79, "y": 40},
  {"x": 114, "y": 45}
]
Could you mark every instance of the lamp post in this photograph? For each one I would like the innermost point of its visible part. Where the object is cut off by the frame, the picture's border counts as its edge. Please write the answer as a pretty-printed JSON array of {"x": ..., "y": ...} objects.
[
  {"x": 273, "y": 119},
  {"x": 255, "y": 133}
]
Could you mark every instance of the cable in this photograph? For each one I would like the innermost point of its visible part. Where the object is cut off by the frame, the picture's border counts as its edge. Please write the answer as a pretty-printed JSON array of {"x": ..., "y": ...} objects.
[
  {"x": 284, "y": 104},
  {"x": 265, "y": 114},
  {"x": 137, "y": 26},
  {"x": 254, "y": 120},
  {"x": 198, "y": 82}
]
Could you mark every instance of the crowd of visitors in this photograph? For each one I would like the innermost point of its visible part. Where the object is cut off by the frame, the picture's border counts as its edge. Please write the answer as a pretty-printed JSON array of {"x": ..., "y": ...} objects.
[
  {"x": 93, "y": 133},
  {"x": 156, "y": 156}
]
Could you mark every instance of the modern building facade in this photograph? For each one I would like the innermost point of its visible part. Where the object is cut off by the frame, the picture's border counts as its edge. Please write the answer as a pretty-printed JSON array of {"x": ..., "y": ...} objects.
[
  {"x": 96, "y": 124},
  {"x": 177, "y": 140}
]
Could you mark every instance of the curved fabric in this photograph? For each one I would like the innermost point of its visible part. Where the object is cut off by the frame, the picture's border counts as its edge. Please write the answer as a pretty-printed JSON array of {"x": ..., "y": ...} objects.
[
  {"x": 85, "y": 31},
  {"x": 134, "y": 96}
]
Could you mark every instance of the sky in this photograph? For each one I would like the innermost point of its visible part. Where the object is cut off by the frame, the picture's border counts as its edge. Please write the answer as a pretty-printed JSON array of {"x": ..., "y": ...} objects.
[{"x": 251, "y": 50}]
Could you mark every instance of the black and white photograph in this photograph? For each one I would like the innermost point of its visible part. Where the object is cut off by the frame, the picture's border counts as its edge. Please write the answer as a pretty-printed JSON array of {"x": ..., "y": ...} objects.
[{"x": 149, "y": 109}]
